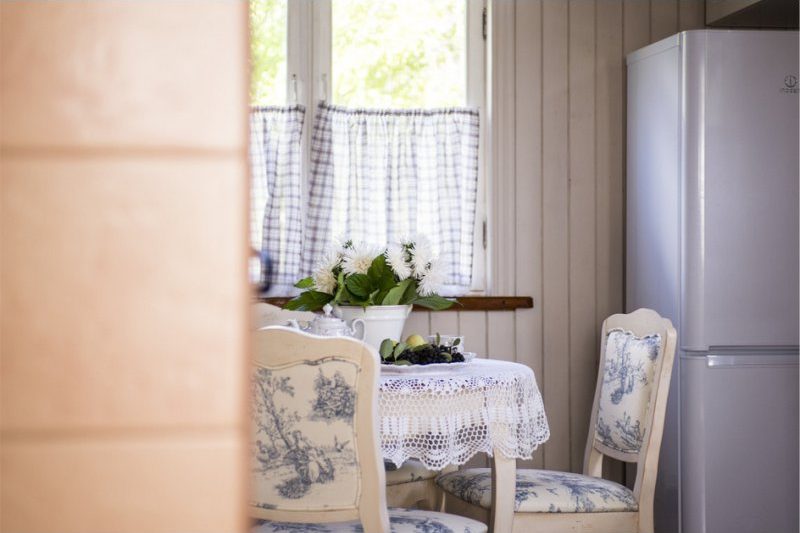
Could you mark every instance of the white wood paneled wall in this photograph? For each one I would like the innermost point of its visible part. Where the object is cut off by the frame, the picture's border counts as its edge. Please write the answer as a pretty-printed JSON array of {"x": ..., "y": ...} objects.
[{"x": 568, "y": 186}]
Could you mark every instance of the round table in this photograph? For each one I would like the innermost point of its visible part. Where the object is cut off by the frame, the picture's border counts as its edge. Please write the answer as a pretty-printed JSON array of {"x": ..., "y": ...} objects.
[{"x": 445, "y": 414}]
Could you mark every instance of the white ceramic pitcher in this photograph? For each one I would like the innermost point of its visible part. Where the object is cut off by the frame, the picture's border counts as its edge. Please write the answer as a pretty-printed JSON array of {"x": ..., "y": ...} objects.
[{"x": 380, "y": 321}]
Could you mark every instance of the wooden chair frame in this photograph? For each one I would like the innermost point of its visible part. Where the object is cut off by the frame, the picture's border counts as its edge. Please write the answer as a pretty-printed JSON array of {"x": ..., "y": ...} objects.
[{"x": 277, "y": 347}]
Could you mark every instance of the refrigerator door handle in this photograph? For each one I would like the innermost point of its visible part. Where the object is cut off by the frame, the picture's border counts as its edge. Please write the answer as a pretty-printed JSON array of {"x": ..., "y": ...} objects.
[{"x": 750, "y": 360}]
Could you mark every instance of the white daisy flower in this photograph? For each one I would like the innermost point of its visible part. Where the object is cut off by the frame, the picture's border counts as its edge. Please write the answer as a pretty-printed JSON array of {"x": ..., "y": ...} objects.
[
  {"x": 432, "y": 279},
  {"x": 324, "y": 280},
  {"x": 421, "y": 256},
  {"x": 323, "y": 276},
  {"x": 396, "y": 257},
  {"x": 358, "y": 259}
]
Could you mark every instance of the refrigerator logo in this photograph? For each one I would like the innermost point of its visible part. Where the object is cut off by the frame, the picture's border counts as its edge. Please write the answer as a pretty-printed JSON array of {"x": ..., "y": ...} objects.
[{"x": 790, "y": 85}]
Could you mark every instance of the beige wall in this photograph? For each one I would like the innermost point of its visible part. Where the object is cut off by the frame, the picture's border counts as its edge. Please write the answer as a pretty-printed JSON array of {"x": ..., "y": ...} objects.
[
  {"x": 123, "y": 218},
  {"x": 567, "y": 187}
]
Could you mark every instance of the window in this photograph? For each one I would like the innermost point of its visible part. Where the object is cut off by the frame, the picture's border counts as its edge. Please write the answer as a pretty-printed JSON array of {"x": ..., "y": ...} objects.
[
  {"x": 375, "y": 54},
  {"x": 399, "y": 54}
]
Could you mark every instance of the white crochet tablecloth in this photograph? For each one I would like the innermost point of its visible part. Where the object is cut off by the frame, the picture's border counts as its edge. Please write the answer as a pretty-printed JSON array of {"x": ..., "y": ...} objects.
[{"x": 445, "y": 414}]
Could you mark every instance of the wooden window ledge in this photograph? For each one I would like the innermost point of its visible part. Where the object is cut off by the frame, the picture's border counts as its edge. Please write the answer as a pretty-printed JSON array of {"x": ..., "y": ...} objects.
[{"x": 468, "y": 303}]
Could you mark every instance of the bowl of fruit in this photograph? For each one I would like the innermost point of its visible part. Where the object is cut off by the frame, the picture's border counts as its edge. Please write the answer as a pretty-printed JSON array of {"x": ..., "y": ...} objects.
[{"x": 416, "y": 351}]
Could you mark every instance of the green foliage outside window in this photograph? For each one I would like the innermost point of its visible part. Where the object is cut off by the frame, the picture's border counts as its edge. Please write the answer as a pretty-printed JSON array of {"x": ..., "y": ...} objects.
[
  {"x": 385, "y": 53},
  {"x": 398, "y": 53},
  {"x": 268, "y": 52}
]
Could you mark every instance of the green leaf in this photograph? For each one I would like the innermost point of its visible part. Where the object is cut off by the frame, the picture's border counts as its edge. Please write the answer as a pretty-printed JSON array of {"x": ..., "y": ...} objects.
[
  {"x": 377, "y": 269},
  {"x": 380, "y": 297},
  {"x": 410, "y": 293},
  {"x": 402, "y": 362},
  {"x": 438, "y": 339},
  {"x": 381, "y": 275},
  {"x": 372, "y": 300},
  {"x": 457, "y": 341},
  {"x": 348, "y": 298},
  {"x": 386, "y": 349},
  {"x": 308, "y": 301},
  {"x": 437, "y": 303},
  {"x": 395, "y": 295},
  {"x": 359, "y": 285},
  {"x": 400, "y": 348},
  {"x": 305, "y": 283}
]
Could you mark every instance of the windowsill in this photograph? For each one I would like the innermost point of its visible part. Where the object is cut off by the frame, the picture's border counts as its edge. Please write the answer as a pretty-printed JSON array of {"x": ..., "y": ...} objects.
[{"x": 468, "y": 303}]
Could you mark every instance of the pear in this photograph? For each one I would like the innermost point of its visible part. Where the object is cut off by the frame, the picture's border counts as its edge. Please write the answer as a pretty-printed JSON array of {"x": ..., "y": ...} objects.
[{"x": 415, "y": 340}]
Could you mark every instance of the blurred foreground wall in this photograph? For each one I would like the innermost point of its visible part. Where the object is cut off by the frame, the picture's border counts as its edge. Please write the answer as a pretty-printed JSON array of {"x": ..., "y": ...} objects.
[{"x": 123, "y": 293}]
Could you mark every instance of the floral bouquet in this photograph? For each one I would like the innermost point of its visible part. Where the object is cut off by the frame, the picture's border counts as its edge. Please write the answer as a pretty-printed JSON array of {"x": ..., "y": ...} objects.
[{"x": 407, "y": 272}]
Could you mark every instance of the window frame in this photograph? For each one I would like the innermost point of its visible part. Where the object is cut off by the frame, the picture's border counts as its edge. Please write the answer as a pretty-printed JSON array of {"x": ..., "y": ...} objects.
[{"x": 308, "y": 73}]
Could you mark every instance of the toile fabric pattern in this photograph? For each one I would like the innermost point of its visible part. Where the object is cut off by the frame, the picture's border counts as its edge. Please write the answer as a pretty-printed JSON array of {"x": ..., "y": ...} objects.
[
  {"x": 444, "y": 416},
  {"x": 276, "y": 222},
  {"x": 543, "y": 491},
  {"x": 378, "y": 175},
  {"x": 303, "y": 443},
  {"x": 401, "y": 521},
  {"x": 628, "y": 374}
]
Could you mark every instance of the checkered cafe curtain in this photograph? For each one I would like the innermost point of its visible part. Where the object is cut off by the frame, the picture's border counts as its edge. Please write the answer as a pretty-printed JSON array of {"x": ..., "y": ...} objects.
[
  {"x": 276, "y": 218},
  {"x": 377, "y": 175}
]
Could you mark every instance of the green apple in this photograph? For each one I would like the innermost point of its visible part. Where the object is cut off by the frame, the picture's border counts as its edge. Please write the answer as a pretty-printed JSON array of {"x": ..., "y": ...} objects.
[{"x": 415, "y": 340}]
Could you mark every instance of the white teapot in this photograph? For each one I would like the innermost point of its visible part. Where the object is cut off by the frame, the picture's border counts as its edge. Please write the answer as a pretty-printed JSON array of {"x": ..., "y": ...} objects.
[{"x": 330, "y": 326}]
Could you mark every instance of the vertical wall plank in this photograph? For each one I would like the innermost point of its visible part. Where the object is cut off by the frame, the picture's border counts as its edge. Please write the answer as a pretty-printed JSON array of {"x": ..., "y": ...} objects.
[
  {"x": 417, "y": 322},
  {"x": 502, "y": 99},
  {"x": 472, "y": 325},
  {"x": 529, "y": 188},
  {"x": 444, "y": 323},
  {"x": 610, "y": 164},
  {"x": 500, "y": 336},
  {"x": 583, "y": 351},
  {"x": 663, "y": 19},
  {"x": 636, "y": 24},
  {"x": 691, "y": 14},
  {"x": 555, "y": 236}
]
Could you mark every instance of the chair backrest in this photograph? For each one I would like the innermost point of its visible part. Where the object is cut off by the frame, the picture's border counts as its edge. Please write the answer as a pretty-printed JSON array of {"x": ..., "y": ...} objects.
[
  {"x": 315, "y": 451},
  {"x": 637, "y": 351}
]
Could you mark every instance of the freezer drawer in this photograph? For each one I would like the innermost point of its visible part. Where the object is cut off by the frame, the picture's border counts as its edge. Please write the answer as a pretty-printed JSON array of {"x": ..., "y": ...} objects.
[{"x": 739, "y": 441}]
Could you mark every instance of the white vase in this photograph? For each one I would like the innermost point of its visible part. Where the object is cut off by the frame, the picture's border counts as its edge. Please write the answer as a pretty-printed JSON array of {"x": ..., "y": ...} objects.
[{"x": 381, "y": 321}]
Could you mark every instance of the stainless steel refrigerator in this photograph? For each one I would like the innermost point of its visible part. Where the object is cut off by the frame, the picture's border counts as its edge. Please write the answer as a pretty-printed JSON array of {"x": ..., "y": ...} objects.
[{"x": 712, "y": 243}]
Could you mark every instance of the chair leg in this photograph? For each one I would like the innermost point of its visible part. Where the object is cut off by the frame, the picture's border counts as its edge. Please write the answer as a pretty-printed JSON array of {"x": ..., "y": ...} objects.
[{"x": 504, "y": 487}]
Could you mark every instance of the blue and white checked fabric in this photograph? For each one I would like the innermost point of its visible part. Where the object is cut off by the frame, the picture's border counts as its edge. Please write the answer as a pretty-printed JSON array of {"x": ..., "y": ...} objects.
[
  {"x": 276, "y": 223},
  {"x": 377, "y": 175}
]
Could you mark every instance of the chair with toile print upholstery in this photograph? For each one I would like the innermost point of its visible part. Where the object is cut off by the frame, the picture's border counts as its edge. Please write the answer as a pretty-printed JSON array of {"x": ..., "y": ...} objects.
[
  {"x": 316, "y": 461},
  {"x": 637, "y": 351}
]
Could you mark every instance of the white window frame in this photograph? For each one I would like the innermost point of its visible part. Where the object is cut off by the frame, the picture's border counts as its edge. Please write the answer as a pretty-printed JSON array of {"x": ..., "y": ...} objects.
[{"x": 309, "y": 81}]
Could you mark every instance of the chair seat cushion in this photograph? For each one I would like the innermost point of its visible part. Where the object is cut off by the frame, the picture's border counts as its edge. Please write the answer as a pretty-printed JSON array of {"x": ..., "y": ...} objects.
[
  {"x": 542, "y": 491},
  {"x": 412, "y": 470},
  {"x": 401, "y": 520}
]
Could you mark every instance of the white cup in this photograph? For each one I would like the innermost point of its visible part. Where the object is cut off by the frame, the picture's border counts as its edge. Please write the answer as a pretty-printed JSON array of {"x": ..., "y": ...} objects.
[{"x": 448, "y": 340}]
